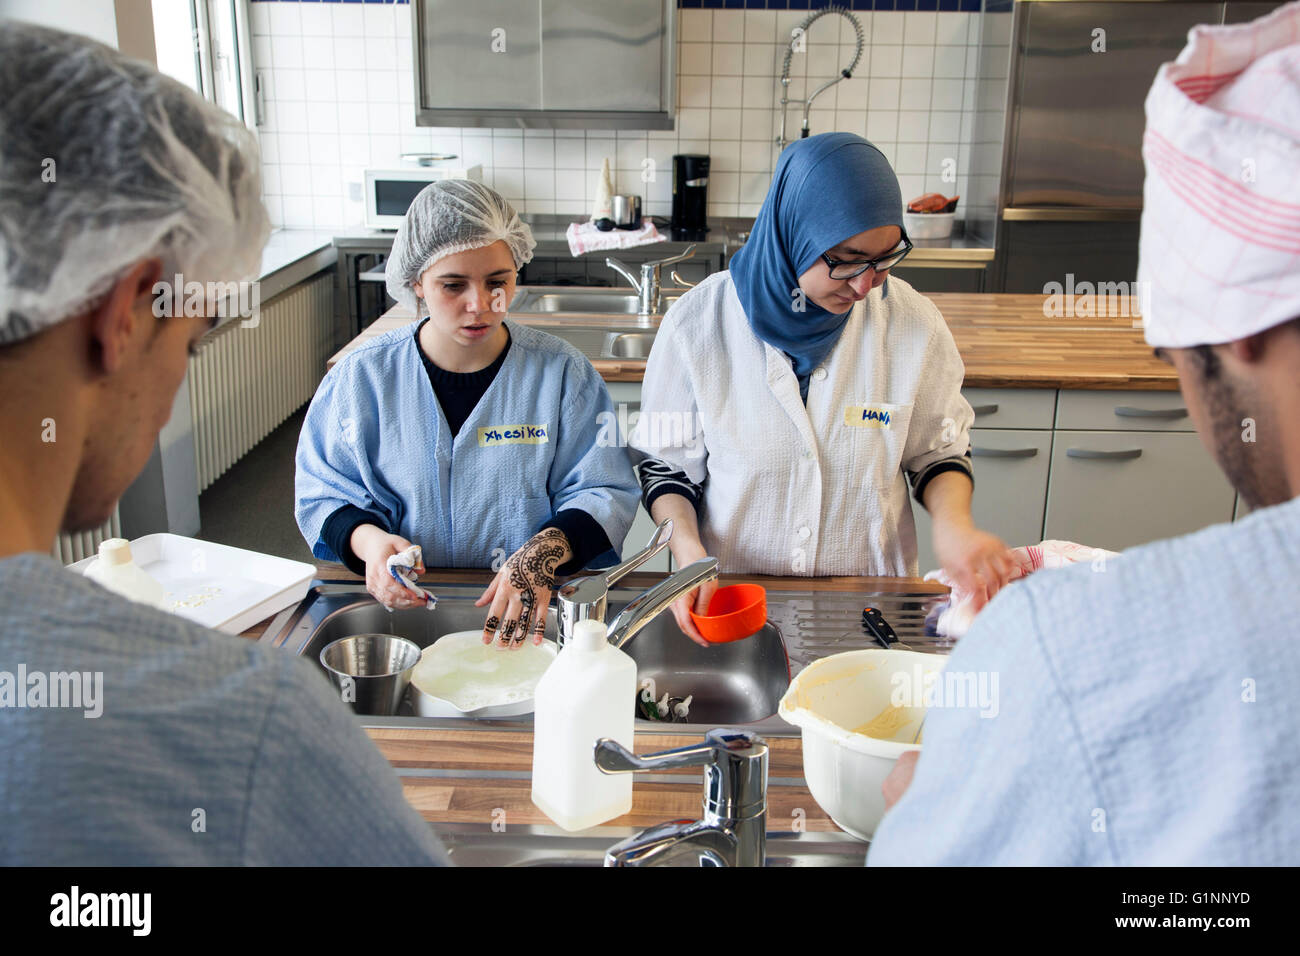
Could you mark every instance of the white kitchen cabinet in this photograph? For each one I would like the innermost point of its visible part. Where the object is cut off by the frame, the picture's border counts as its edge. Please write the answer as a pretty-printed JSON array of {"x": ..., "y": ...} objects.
[
  {"x": 1011, "y": 467},
  {"x": 627, "y": 405},
  {"x": 1115, "y": 489}
]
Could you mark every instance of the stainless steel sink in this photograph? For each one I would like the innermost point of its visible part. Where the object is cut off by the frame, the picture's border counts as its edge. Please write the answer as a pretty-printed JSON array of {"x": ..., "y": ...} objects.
[
  {"x": 734, "y": 684},
  {"x": 604, "y": 343},
  {"x": 580, "y": 302},
  {"x": 631, "y": 345},
  {"x": 737, "y": 684},
  {"x": 476, "y": 844},
  {"x": 578, "y": 305},
  {"x": 547, "y": 300}
]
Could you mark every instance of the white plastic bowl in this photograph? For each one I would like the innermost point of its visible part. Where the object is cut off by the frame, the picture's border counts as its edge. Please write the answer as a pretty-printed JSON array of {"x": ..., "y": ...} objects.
[
  {"x": 929, "y": 225},
  {"x": 827, "y": 701}
]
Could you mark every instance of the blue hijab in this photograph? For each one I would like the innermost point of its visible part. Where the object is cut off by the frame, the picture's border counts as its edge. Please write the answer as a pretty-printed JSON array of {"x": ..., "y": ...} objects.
[{"x": 826, "y": 188}]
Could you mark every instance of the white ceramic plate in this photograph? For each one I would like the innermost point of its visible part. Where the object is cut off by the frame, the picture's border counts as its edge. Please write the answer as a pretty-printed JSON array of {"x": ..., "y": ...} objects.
[{"x": 491, "y": 697}]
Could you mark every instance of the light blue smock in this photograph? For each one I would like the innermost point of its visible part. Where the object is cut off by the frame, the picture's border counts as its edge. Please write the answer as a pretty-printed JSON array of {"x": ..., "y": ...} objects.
[
  {"x": 375, "y": 437},
  {"x": 1148, "y": 715},
  {"x": 201, "y": 749}
]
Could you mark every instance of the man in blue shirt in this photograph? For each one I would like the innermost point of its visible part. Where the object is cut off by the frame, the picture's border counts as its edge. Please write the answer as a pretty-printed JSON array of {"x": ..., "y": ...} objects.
[
  {"x": 128, "y": 735},
  {"x": 1148, "y": 709}
]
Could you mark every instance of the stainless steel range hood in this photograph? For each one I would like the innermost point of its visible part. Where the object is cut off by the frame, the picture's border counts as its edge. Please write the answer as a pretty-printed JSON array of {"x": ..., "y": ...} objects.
[{"x": 547, "y": 64}]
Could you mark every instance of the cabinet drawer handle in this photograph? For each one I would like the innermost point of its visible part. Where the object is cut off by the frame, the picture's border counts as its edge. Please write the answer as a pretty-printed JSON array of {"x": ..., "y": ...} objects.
[
  {"x": 1128, "y": 411},
  {"x": 1106, "y": 455},
  {"x": 984, "y": 409},
  {"x": 1003, "y": 452}
]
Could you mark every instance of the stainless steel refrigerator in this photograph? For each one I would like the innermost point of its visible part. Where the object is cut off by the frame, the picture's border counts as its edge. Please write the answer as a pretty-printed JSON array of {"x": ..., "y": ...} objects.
[{"x": 1070, "y": 193}]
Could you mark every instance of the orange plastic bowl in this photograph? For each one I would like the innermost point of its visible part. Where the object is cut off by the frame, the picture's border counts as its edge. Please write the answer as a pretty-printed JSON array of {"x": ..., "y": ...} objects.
[{"x": 736, "y": 612}]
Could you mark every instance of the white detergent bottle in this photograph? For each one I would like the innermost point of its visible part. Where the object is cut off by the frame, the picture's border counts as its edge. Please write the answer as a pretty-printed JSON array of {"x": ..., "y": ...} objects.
[
  {"x": 588, "y": 693},
  {"x": 116, "y": 570}
]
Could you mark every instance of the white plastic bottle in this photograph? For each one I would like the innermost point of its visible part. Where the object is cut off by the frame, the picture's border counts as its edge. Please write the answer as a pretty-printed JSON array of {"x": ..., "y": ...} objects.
[
  {"x": 117, "y": 571},
  {"x": 603, "y": 206},
  {"x": 588, "y": 693}
]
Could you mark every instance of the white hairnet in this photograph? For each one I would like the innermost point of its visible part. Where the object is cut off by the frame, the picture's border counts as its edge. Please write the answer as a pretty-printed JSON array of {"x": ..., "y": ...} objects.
[
  {"x": 447, "y": 217},
  {"x": 104, "y": 161}
]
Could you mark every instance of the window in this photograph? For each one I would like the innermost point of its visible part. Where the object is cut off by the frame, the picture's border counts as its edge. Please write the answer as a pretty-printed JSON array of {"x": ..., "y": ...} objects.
[{"x": 204, "y": 44}]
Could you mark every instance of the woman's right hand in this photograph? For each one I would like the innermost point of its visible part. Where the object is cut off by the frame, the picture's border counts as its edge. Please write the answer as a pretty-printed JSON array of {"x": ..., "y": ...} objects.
[
  {"x": 375, "y": 546},
  {"x": 688, "y": 552}
]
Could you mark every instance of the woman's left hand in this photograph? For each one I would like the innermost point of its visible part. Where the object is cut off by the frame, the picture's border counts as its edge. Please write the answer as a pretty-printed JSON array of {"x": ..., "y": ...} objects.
[
  {"x": 521, "y": 591},
  {"x": 980, "y": 563}
]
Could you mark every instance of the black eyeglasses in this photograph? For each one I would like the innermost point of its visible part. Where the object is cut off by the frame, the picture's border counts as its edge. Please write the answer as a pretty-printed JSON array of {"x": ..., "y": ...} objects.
[{"x": 849, "y": 269}]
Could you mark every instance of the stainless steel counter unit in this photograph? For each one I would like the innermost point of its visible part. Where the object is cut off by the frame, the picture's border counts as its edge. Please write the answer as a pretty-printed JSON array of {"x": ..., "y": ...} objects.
[{"x": 737, "y": 685}]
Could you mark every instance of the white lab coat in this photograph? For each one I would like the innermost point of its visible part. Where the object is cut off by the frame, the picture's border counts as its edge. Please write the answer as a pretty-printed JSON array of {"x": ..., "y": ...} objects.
[{"x": 804, "y": 491}]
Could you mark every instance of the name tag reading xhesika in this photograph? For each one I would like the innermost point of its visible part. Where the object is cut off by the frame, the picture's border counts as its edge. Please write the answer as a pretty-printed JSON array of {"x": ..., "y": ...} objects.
[{"x": 512, "y": 435}]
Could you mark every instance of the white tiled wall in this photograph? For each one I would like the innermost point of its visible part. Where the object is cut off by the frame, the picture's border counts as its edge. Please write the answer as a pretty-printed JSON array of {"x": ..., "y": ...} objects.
[
  {"x": 984, "y": 172},
  {"x": 340, "y": 87}
]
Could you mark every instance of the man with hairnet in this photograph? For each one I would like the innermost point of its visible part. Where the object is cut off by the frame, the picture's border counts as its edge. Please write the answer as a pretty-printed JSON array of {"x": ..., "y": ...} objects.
[
  {"x": 1147, "y": 709},
  {"x": 188, "y": 746}
]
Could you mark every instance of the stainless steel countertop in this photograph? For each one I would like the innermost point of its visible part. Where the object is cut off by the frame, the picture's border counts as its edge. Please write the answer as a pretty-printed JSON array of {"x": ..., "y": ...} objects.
[
  {"x": 723, "y": 238},
  {"x": 292, "y": 255},
  {"x": 813, "y": 625}
]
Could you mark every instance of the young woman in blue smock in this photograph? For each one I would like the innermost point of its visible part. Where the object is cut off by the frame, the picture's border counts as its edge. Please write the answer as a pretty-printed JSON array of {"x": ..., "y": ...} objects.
[{"x": 465, "y": 433}]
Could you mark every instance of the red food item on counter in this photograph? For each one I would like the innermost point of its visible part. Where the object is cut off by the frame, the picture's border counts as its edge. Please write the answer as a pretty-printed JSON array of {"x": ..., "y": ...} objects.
[{"x": 933, "y": 202}]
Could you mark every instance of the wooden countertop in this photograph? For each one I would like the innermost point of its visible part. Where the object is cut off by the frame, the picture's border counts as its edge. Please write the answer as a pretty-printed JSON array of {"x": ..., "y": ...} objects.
[
  {"x": 1006, "y": 341},
  {"x": 444, "y": 786},
  {"x": 470, "y": 776}
]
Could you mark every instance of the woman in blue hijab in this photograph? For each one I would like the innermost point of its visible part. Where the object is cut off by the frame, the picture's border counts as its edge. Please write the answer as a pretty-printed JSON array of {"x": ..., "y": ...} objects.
[{"x": 790, "y": 400}]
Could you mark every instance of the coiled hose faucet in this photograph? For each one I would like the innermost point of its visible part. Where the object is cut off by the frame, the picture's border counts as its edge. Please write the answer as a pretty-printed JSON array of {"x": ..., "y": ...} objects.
[{"x": 795, "y": 44}]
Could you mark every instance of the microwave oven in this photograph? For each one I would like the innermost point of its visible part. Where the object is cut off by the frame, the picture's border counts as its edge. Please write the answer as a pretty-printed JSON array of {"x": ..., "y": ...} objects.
[{"x": 389, "y": 192}]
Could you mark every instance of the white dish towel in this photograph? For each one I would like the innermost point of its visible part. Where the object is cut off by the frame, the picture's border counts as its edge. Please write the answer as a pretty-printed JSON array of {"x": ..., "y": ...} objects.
[
  {"x": 585, "y": 237},
  {"x": 956, "y": 619},
  {"x": 402, "y": 566}
]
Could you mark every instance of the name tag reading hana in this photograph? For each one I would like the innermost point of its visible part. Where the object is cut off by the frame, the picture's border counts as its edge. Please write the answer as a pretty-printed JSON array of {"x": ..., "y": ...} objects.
[
  {"x": 495, "y": 435},
  {"x": 868, "y": 416}
]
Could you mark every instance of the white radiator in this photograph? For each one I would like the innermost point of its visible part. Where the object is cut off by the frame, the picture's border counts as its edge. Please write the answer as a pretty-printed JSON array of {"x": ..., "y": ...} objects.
[
  {"x": 70, "y": 548},
  {"x": 245, "y": 381}
]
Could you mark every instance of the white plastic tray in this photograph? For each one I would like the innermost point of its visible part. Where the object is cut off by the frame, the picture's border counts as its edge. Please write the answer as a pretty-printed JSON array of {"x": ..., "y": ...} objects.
[{"x": 221, "y": 587}]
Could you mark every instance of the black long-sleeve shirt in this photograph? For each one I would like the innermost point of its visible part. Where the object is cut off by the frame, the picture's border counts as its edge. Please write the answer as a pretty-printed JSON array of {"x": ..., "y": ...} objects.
[
  {"x": 458, "y": 393},
  {"x": 658, "y": 478}
]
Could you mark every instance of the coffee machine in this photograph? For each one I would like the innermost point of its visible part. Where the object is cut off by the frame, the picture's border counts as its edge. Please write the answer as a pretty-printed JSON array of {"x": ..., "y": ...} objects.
[{"x": 690, "y": 197}]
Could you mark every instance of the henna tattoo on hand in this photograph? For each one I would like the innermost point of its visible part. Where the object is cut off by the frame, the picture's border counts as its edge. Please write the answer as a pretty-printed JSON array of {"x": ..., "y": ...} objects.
[
  {"x": 526, "y": 615},
  {"x": 532, "y": 567},
  {"x": 492, "y": 624},
  {"x": 531, "y": 570}
]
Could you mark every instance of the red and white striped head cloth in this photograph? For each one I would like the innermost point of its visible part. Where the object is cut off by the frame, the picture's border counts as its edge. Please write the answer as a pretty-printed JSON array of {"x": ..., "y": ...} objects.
[{"x": 1220, "y": 248}]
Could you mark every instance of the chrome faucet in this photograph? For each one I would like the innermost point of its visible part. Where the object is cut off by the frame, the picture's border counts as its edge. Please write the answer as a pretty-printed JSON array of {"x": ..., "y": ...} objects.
[
  {"x": 733, "y": 831},
  {"x": 650, "y": 287},
  {"x": 586, "y": 598}
]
